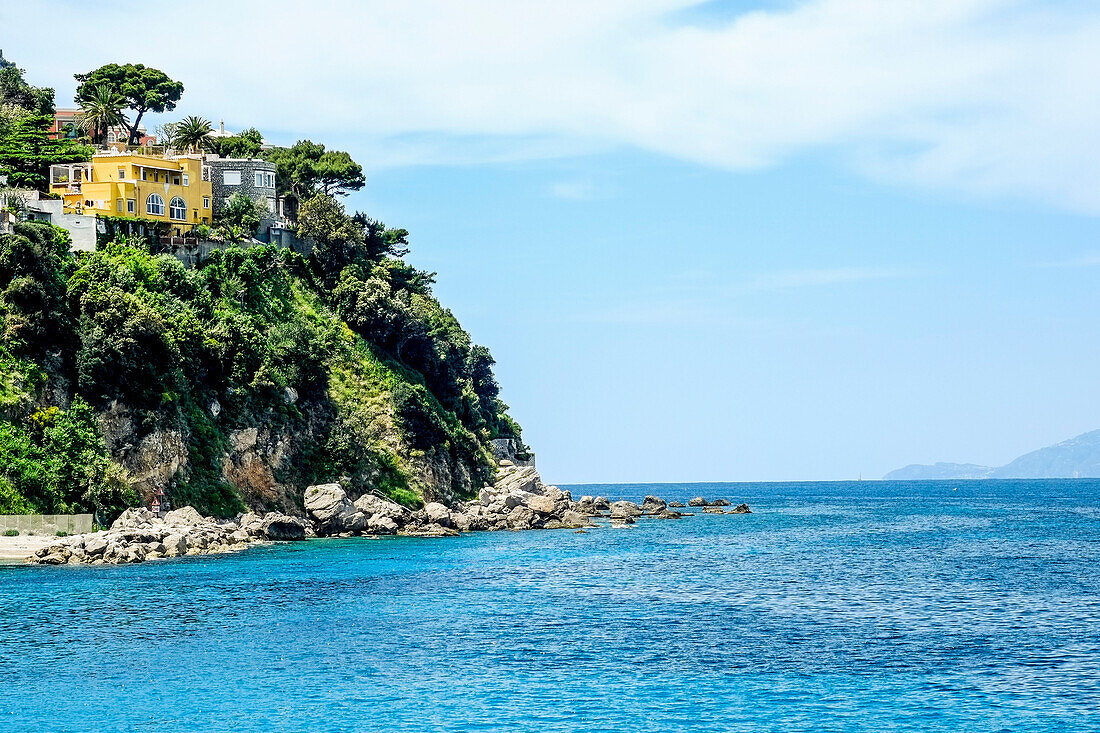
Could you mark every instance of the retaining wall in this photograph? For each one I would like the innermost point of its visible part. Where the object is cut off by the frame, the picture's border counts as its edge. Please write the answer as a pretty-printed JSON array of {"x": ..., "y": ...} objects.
[{"x": 46, "y": 524}]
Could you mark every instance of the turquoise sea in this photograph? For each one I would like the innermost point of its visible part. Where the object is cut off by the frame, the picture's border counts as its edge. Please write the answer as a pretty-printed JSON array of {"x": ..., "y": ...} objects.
[{"x": 873, "y": 606}]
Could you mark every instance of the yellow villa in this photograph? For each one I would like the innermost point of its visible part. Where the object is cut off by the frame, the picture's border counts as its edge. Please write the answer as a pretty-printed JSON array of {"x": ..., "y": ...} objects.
[{"x": 175, "y": 191}]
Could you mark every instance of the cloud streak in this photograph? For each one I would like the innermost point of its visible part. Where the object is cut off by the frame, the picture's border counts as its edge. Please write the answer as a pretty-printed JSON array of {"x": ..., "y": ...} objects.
[{"x": 994, "y": 98}]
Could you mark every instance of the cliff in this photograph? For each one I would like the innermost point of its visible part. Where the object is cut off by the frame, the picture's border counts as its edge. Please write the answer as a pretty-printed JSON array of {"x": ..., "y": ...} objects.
[{"x": 235, "y": 385}]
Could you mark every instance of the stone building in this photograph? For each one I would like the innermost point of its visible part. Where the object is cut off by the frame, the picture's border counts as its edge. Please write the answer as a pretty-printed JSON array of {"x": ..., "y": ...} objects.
[{"x": 253, "y": 177}]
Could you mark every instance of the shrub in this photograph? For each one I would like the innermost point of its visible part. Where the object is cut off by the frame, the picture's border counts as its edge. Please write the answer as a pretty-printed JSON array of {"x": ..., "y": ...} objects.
[{"x": 11, "y": 533}]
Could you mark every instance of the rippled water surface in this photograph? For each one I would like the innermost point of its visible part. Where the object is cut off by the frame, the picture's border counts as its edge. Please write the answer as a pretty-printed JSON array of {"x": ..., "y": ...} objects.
[{"x": 943, "y": 606}]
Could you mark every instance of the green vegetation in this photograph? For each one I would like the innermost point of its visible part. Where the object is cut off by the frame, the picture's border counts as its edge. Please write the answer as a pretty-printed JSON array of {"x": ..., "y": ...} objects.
[
  {"x": 11, "y": 533},
  {"x": 245, "y": 144},
  {"x": 190, "y": 133},
  {"x": 345, "y": 352},
  {"x": 141, "y": 89},
  {"x": 100, "y": 110},
  {"x": 234, "y": 385},
  {"x": 26, "y": 118}
]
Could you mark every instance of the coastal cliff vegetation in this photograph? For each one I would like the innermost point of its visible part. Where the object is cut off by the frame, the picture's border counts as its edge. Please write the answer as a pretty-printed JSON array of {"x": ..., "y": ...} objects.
[{"x": 238, "y": 383}]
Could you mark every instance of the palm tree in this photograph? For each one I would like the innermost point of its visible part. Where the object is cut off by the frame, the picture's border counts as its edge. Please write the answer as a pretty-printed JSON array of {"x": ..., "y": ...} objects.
[
  {"x": 191, "y": 132},
  {"x": 100, "y": 111}
]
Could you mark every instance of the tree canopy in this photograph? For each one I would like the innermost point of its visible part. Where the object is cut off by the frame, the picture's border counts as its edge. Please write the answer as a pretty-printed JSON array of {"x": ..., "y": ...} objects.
[
  {"x": 27, "y": 150},
  {"x": 245, "y": 144},
  {"x": 307, "y": 168},
  {"x": 144, "y": 88},
  {"x": 15, "y": 91}
]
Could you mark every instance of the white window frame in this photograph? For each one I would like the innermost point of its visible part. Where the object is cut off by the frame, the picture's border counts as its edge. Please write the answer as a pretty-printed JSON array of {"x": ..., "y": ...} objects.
[
  {"x": 121, "y": 174},
  {"x": 231, "y": 177},
  {"x": 131, "y": 206},
  {"x": 186, "y": 179},
  {"x": 258, "y": 179},
  {"x": 173, "y": 209},
  {"x": 118, "y": 205},
  {"x": 206, "y": 202},
  {"x": 150, "y": 205}
]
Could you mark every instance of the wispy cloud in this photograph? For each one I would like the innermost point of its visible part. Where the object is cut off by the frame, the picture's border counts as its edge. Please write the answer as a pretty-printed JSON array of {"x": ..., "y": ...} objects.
[
  {"x": 1089, "y": 259},
  {"x": 991, "y": 97},
  {"x": 573, "y": 190}
]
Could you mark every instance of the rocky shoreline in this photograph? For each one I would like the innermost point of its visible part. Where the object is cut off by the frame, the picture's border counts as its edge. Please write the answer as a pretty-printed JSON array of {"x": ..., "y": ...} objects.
[{"x": 517, "y": 501}]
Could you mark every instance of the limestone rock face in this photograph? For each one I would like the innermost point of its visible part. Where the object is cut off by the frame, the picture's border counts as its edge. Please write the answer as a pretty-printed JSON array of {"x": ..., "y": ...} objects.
[
  {"x": 741, "y": 509},
  {"x": 653, "y": 505},
  {"x": 697, "y": 501}
]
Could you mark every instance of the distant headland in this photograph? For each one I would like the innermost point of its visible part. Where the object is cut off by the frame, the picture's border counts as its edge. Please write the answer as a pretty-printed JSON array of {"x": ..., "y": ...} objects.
[{"x": 1074, "y": 458}]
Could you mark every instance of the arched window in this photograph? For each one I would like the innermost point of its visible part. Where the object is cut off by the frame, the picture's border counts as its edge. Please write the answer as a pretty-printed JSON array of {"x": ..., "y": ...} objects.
[
  {"x": 154, "y": 205},
  {"x": 177, "y": 209}
]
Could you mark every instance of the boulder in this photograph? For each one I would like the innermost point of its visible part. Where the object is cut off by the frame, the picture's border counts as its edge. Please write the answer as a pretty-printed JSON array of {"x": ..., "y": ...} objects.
[
  {"x": 713, "y": 510},
  {"x": 571, "y": 518},
  {"x": 175, "y": 545},
  {"x": 540, "y": 504},
  {"x": 697, "y": 501},
  {"x": 282, "y": 528},
  {"x": 134, "y": 517},
  {"x": 653, "y": 504},
  {"x": 95, "y": 544},
  {"x": 520, "y": 517},
  {"x": 741, "y": 509},
  {"x": 381, "y": 524},
  {"x": 371, "y": 505},
  {"x": 669, "y": 514},
  {"x": 677, "y": 505},
  {"x": 184, "y": 517},
  {"x": 719, "y": 502},
  {"x": 54, "y": 555},
  {"x": 330, "y": 507},
  {"x": 625, "y": 510},
  {"x": 437, "y": 513},
  {"x": 524, "y": 480},
  {"x": 601, "y": 504}
]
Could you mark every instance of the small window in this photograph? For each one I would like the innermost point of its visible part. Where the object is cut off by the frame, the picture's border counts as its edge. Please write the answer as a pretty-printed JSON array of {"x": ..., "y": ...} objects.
[
  {"x": 131, "y": 204},
  {"x": 259, "y": 179},
  {"x": 144, "y": 174},
  {"x": 231, "y": 178},
  {"x": 270, "y": 179},
  {"x": 186, "y": 180},
  {"x": 206, "y": 202},
  {"x": 154, "y": 205},
  {"x": 121, "y": 173},
  {"x": 177, "y": 209},
  {"x": 118, "y": 205},
  {"x": 175, "y": 180}
]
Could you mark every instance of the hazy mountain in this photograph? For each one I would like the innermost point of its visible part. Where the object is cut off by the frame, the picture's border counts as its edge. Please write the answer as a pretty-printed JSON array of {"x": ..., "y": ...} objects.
[
  {"x": 1074, "y": 458},
  {"x": 918, "y": 471}
]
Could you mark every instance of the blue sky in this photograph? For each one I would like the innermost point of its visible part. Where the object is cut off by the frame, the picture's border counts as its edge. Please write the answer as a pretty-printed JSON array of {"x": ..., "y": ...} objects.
[{"x": 706, "y": 241}]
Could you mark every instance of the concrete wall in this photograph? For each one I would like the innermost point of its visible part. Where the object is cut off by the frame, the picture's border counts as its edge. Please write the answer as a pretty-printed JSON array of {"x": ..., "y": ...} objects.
[
  {"x": 46, "y": 524},
  {"x": 82, "y": 229}
]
